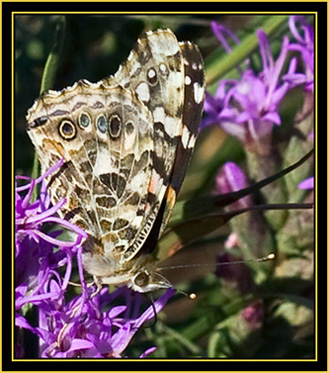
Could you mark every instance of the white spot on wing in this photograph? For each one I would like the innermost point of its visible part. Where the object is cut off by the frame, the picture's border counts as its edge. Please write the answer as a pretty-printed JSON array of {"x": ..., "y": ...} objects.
[
  {"x": 187, "y": 80},
  {"x": 192, "y": 141},
  {"x": 165, "y": 42},
  {"x": 163, "y": 68},
  {"x": 143, "y": 92},
  {"x": 151, "y": 73},
  {"x": 172, "y": 126},
  {"x": 185, "y": 137},
  {"x": 130, "y": 56},
  {"x": 119, "y": 70},
  {"x": 198, "y": 92},
  {"x": 159, "y": 114}
]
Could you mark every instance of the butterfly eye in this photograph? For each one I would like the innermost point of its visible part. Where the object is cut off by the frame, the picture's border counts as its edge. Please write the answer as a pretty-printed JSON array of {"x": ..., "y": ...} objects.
[
  {"x": 142, "y": 279},
  {"x": 67, "y": 130}
]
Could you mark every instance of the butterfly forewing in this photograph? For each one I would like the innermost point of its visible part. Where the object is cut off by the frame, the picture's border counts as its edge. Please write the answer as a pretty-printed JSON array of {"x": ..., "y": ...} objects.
[
  {"x": 155, "y": 71},
  {"x": 191, "y": 116}
]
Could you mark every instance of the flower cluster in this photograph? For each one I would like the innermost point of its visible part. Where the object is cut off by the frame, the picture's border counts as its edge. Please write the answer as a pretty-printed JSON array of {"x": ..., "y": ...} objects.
[
  {"x": 86, "y": 325},
  {"x": 248, "y": 108}
]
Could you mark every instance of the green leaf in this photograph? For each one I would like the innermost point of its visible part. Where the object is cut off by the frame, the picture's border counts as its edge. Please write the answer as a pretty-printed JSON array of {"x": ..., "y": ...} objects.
[
  {"x": 47, "y": 81},
  {"x": 52, "y": 62}
]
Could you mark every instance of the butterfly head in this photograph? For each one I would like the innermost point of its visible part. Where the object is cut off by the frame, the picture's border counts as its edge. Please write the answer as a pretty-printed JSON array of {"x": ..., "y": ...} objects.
[
  {"x": 146, "y": 281},
  {"x": 140, "y": 274}
]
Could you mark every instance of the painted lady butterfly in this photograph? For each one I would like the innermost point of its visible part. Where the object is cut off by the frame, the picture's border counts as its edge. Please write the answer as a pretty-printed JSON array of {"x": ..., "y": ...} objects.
[{"x": 126, "y": 141}]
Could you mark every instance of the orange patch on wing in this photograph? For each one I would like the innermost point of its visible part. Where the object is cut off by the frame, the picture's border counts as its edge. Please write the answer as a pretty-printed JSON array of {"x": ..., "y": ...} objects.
[{"x": 171, "y": 196}]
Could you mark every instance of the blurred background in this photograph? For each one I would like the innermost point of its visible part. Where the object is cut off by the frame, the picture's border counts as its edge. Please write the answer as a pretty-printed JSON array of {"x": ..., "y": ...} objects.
[{"x": 257, "y": 310}]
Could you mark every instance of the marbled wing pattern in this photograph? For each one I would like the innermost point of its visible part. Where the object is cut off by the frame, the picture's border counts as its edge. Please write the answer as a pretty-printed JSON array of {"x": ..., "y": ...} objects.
[{"x": 126, "y": 142}]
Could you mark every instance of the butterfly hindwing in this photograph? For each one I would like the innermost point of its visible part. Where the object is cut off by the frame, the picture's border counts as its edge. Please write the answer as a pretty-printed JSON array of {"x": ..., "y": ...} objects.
[
  {"x": 108, "y": 161},
  {"x": 126, "y": 142}
]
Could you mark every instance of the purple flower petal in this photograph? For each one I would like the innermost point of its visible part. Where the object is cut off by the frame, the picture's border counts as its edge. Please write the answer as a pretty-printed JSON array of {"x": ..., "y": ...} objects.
[
  {"x": 80, "y": 344},
  {"x": 148, "y": 352},
  {"x": 116, "y": 311},
  {"x": 273, "y": 117},
  {"x": 220, "y": 31},
  {"x": 307, "y": 183},
  {"x": 231, "y": 179},
  {"x": 21, "y": 322}
]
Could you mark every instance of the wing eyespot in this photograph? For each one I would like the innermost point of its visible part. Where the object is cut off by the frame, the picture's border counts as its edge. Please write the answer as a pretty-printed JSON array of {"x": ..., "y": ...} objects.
[
  {"x": 130, "y": 127},
  {"x": 84, "y": 120},
  {"x": 67, "y": 130},
  {"x": 101, "y": 123},
  {"x": 115, "y": 126}
]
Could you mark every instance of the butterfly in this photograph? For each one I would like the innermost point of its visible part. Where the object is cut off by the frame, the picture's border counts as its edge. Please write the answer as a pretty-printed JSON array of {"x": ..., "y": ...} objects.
[{"x": 126, "y": 142}]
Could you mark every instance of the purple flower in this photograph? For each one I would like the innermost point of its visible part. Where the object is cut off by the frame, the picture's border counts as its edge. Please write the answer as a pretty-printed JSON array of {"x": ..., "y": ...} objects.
[
  {"x": 82, "y": 329},
  {"x": 307, "y": 183},
  {"x": 248, "y": 108},
  {"x": 220, "y": 33},
  {"x": 213, "y": 106},
  {"x": 305, "y": 45},
  {"x": 86, "y": 325},
  {"x": 231, "y": 179},
  {"x": 35, "y": 259},
  {"x": 254, "y": 313}
]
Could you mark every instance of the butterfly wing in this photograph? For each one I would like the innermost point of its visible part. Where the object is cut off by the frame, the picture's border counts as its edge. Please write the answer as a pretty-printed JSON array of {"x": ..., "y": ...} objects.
[
  {"x": 106, "y": 139},
  {"x": 154, "y": 70},
  {"x": 126, "y": 142},
  {"x": 192, "y": 111},
  {"x": 164, "y": 74}
]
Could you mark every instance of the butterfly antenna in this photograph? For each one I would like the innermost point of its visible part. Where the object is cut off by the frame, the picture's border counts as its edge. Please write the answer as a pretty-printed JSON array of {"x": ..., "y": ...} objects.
[
  {"x": 193, "y": 296},
  {"x": 266, "y": 258}
]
